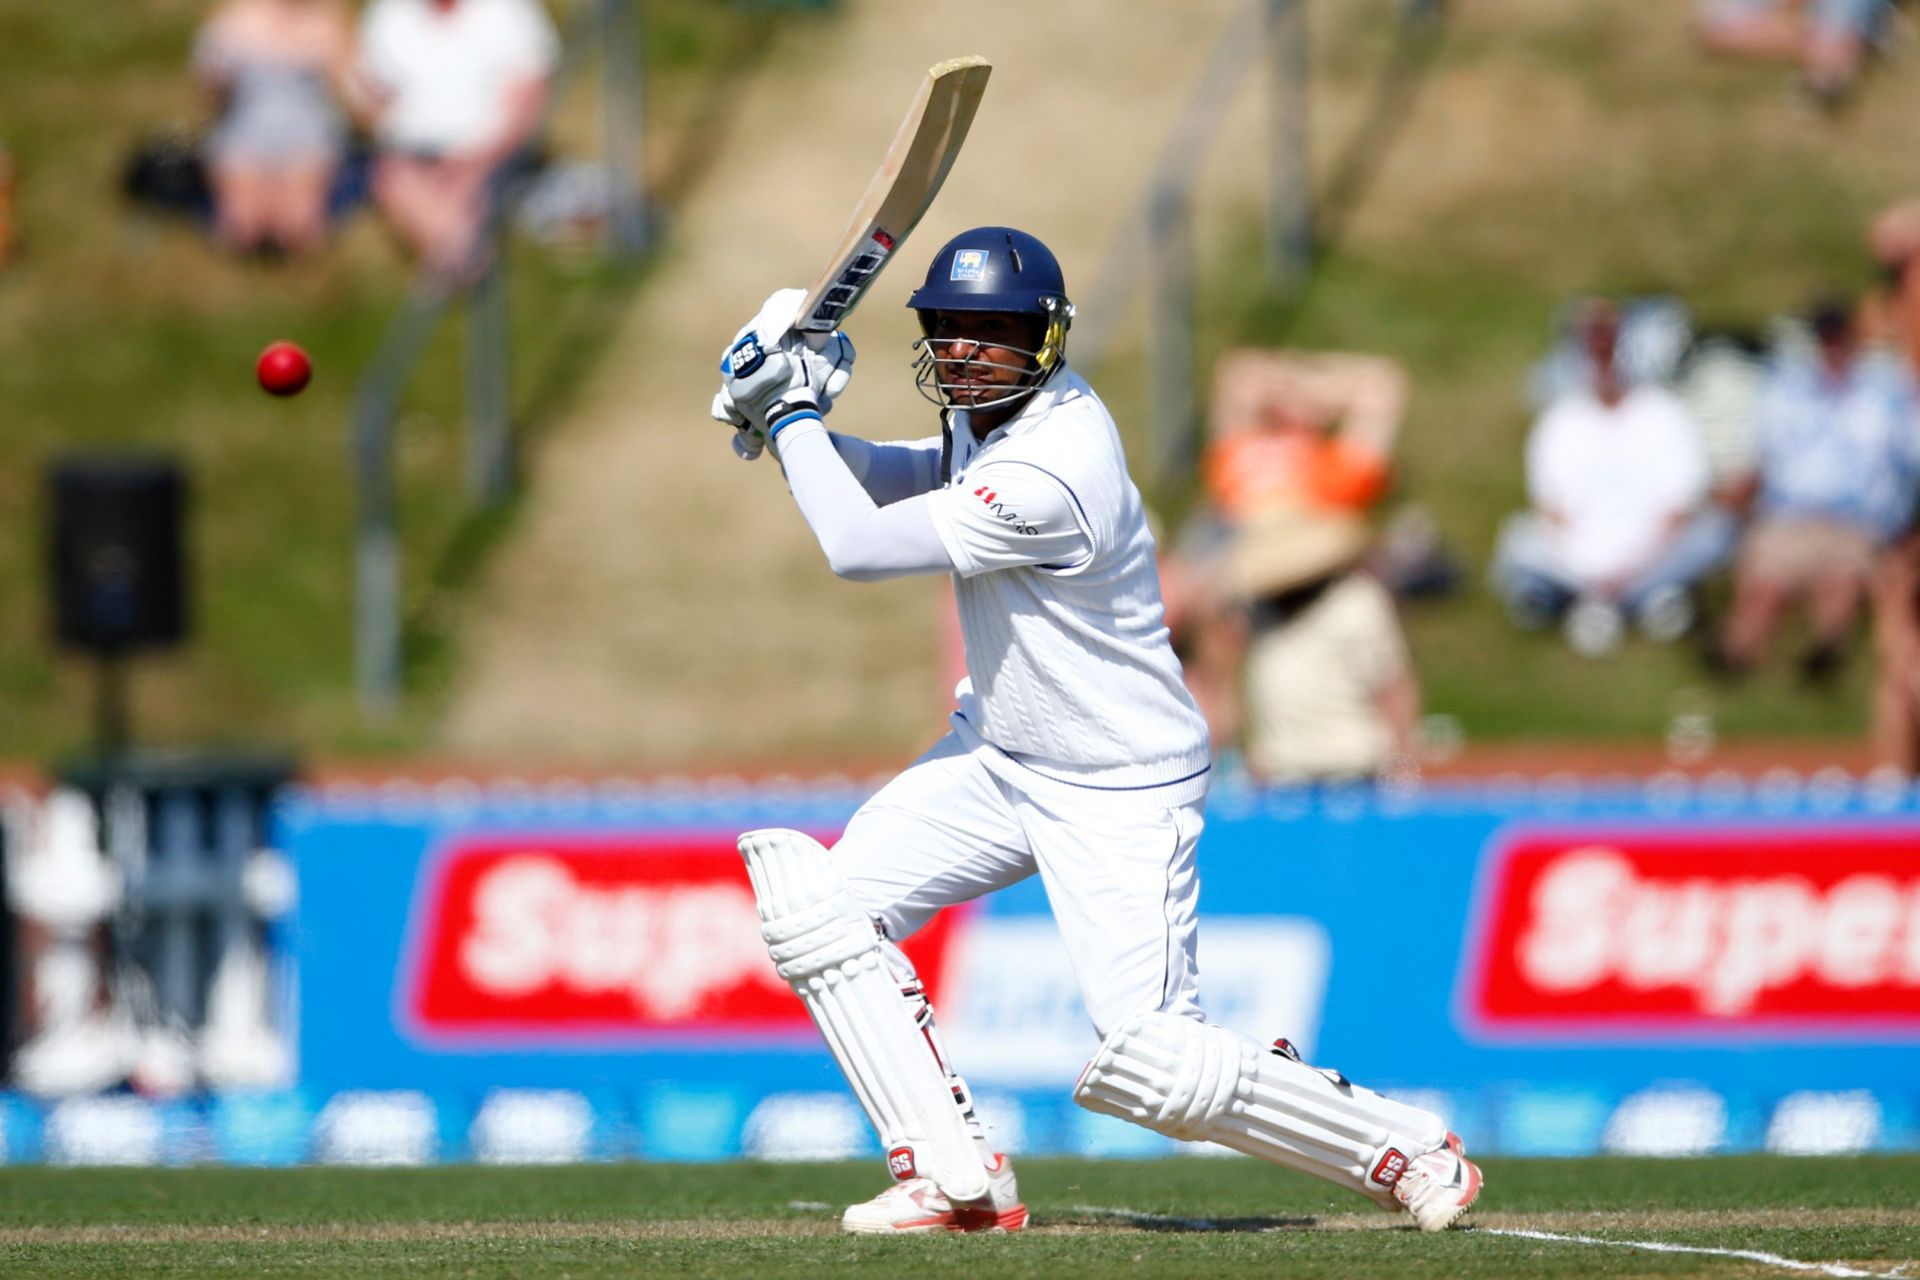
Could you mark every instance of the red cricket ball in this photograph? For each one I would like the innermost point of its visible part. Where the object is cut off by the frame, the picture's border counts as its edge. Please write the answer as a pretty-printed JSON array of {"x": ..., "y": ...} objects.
[{"x": 283, "y": 368}]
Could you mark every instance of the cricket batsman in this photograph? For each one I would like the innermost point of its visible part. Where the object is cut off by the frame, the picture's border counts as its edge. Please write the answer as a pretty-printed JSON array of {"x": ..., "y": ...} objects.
[{"x": 1075, "y": 752}]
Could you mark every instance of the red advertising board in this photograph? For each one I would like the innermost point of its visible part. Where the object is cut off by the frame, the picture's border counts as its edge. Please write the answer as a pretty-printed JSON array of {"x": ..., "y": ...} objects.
[
  {"x": 580, "y": 935},
  {"x": 1702, "y": 930}
]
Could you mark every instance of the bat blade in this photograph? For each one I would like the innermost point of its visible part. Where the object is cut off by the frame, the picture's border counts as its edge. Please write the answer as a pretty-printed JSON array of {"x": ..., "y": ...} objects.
[{"x": 902, "y": 189}]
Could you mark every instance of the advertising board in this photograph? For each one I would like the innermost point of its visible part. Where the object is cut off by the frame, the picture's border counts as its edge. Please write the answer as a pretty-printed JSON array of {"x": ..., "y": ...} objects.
[{"x": 1556, "y": 972}]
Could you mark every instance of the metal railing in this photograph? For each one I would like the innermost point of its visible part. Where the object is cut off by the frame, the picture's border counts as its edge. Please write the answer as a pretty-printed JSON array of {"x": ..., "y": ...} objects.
[
  {"x": 615, "y": 28},
  {"x": 1158, "y": 230}
]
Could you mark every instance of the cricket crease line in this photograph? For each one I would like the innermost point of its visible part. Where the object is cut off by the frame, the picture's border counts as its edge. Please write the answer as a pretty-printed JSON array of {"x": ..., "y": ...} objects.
[
  {"x": 1349, "y": 1221},
  {"x": 1661, "y": 1246}
]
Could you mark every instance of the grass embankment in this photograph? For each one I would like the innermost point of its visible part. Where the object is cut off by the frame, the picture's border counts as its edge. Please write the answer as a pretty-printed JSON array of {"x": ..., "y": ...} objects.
[
  {"x": 121, "y": 329},
  {"x": 1473, "y": 182},
  {"x": 1532, "y": 153}
]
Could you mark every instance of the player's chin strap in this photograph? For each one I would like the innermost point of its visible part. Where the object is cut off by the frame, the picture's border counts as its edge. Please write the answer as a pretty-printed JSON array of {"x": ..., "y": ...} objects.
[
  {"x": 825, "y": 945},
  {"x": 1201, "y": 1083}
]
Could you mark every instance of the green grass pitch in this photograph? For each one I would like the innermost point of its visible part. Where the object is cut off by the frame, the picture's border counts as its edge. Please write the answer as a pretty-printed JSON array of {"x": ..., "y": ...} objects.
[{"x": 1174, "y": 1217}]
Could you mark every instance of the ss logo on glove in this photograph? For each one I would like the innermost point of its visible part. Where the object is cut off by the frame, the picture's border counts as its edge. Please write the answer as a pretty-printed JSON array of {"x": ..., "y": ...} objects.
[{"x": 744, "y": 357}]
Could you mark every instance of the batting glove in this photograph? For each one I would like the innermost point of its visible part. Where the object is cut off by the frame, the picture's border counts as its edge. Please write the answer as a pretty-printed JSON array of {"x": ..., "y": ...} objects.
[{"x": 773, "y": 375}]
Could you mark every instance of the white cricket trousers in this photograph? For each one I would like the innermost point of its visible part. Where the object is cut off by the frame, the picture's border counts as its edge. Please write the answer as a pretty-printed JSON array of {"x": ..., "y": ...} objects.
[{"x": 1118, "y": 871}]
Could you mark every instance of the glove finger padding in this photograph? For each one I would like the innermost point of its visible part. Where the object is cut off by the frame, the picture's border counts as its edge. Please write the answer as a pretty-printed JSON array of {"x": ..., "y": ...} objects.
[
  {"x": 724, "y": 410},
  {"x": 748, "y": 443},
  {"x": 829, "y": 359},
  {"x": 775, "y": 318}
]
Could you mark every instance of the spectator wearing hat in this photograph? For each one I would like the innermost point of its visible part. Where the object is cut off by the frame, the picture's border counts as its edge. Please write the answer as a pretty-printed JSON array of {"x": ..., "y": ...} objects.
[
  {"x": 1328, "y": 690},
  {"x": 1833, "y": 487},
  {"x": 1620, "y": 528}
]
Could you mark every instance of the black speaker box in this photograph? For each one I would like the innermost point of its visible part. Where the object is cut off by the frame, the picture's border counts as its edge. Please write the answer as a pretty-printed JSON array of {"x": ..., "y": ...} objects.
[{"x": 118, "y": 575}]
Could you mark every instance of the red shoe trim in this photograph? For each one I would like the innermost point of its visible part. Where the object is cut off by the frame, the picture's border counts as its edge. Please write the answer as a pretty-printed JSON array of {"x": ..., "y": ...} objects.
[{"x": 988, "y": 1219}]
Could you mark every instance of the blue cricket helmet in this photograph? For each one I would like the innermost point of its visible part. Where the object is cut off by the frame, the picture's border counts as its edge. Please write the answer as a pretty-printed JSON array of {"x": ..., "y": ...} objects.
[{"x": 1000, "y": 269}]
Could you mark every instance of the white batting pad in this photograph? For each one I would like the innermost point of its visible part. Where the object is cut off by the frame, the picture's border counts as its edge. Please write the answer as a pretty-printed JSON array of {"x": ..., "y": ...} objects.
[
  {"x": 1202, "y": 1083},
  {"x": 825, "y": 945}
]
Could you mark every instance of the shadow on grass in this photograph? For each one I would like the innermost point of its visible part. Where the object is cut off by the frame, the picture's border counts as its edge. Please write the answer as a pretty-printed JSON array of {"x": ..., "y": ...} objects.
[{"x": 1092, "y": 1216}]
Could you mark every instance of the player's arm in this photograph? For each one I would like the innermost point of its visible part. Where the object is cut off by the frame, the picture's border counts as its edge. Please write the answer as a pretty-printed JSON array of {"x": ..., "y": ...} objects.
[
  {"x": 1005, "y": 516},
  {"x": 893, "y": 471},
  {"x": 862, "y": 539},
  {"x": 777, "y": 394}
]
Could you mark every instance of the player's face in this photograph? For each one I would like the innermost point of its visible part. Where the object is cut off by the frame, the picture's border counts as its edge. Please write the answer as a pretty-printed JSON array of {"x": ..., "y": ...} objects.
[{"x": 989, "y": 351}]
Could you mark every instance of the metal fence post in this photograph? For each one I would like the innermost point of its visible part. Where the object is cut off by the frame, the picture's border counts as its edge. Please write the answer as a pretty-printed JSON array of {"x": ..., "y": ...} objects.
[
  {"x": 623, "y": 125},
  {"x": 376, "y": 560},
  {"x": 489, "y": 370},
  {"x": 1290, "y": 193},
  {"x": 1170, "y": 333}
]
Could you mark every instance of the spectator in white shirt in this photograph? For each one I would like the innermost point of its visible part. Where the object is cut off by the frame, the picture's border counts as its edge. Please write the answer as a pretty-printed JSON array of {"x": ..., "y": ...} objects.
[
  {"x": 1620, "y": 529},
  {"x": 454, "y": 90}
]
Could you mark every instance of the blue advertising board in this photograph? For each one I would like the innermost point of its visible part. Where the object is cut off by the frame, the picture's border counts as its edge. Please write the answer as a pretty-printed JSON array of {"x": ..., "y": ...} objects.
[{"x": 1558, "y": 969}]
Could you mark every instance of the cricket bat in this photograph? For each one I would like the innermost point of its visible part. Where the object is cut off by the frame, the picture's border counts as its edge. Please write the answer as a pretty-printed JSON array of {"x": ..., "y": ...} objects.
[{"x": 902, "y": 189}]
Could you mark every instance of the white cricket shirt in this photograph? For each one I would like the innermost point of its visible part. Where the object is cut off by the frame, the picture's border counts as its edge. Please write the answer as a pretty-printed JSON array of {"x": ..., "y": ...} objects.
[
  {"x": 1619, "y": 476},
  {"x": 448, "y": 71},
  {"x": 1071, "y": 679},
  {"x": 1071, "y": 675}
]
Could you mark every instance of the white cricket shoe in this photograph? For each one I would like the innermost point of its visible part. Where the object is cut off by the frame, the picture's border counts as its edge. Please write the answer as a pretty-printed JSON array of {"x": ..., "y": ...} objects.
[
  {"x": 1439, "y": 1187},
  {"x": 918, "y": 1207}
]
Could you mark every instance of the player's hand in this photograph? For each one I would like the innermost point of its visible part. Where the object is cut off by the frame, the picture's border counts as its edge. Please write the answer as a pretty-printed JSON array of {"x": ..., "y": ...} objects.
[
  {"x": 829, "y": 356},
  {"x": 767, "y": 384},
  {"x": 748, "y": 443},
  {"x": 771, "y": 372}
]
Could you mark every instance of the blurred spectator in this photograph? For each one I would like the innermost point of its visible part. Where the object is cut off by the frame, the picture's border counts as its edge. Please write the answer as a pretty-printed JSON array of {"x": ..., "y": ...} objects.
[
  {"x": 1894, "y": 240},
  {"x": 273, "y": 67},
  {"x": 1834, "y": 485},
  {"x": 1719, "y": 384},
  {"x": 1895, "y": 712},
  {"x": 1311, "y": 430},
  {"x": 1828, "y": 39},
  {"x": 1328, "y": 692},
  {"x": 454, "y": 90},
  {"x": 1894, "y": 320},
  {"x": 1651, "y": 344},
  {"x": 1294, "y": 432},
  {"x": 1620, "y": 529}
]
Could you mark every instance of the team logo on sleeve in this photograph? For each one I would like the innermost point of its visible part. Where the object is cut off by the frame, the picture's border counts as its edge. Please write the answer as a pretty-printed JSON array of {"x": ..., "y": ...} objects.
[
  {"x": 968, "y": 264},
  {"x": 1001, "y": 512}
]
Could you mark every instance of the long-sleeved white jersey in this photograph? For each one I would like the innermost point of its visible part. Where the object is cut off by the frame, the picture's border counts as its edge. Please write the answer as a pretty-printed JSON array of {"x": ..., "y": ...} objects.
[{"x": 1071, "y": 677}]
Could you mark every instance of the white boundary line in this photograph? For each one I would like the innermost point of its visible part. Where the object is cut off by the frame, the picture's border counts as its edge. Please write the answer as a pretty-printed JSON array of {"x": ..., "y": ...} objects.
[
  {"x": 1648, "y": 1246},
  {"x": 1660, "y": 1246}
]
